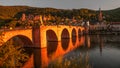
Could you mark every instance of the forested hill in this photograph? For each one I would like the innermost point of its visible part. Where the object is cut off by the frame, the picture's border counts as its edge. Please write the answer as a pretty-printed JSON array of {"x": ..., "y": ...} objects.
[
  {"x": 10, "y": 13},
  {"x": 112, "y": 15},
  {"x": 7, "y": 12}
]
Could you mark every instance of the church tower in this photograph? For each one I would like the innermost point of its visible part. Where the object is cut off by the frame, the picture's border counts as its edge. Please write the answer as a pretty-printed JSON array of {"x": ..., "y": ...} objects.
[{"x": 100, "y": 16}]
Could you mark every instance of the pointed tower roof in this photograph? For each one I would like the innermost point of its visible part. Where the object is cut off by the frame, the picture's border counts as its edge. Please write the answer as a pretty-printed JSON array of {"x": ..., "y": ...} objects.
[{"x": 100, "y": 16}]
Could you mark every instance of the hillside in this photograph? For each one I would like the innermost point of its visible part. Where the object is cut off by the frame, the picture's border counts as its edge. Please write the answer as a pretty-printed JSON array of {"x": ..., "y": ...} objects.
[
  {"x": 14, "y": 13},
  {"x": 7, "y": 12},
  {"x": 10, "y": 13},
  {"x": 112, "y": 15}
]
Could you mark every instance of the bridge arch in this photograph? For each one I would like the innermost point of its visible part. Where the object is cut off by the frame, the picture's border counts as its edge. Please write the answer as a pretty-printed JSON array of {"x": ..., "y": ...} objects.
[
  {"x": 65, "y": 38},
  {"x": 79, "y": 32},
  {"x": 74, "y": 34},
  {"x": 25, "y": 43},
  {"x": 65, "y": 34},
  {"x": 51, "y": 35},
  {"x": 21, "y": 40}
]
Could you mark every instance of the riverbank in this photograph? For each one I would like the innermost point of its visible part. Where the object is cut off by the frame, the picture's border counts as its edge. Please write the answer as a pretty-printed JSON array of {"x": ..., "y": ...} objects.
[{"x": 104, "y": 32}]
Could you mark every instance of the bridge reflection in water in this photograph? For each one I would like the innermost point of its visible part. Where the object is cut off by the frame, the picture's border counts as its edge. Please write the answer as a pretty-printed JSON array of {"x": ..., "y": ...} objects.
[{"x": 42, "y": 57}]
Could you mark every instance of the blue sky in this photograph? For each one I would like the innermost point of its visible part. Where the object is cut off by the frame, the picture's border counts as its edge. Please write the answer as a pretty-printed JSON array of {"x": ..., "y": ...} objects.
[{"x": 66, "y": 4}]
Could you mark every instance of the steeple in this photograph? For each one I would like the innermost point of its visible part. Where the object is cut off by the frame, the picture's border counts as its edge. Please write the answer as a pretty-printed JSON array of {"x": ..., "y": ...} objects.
[{"x": 100, "y": 17}]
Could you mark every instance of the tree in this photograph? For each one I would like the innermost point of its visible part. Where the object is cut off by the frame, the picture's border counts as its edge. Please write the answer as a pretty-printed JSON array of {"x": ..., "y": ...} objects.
[{"x": 12, "y": 56}]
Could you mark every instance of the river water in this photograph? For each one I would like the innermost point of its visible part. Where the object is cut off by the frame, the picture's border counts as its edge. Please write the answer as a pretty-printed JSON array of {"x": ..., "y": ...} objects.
[
  {"x": 87, "y": 51},
  {"x": 104, "y": 51},
  {"x": 90, "y": 51}
]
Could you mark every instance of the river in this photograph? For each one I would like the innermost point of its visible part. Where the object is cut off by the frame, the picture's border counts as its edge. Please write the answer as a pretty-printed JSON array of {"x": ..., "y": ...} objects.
[{"x": 89, "y": 51}]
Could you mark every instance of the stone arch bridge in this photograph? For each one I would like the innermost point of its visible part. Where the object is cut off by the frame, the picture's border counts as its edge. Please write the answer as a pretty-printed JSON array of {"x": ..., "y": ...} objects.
[{"x": 38, "y": 36}]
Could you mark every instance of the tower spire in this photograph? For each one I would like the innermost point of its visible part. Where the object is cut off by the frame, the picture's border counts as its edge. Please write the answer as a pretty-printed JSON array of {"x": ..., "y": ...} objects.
[{"x": 100, "y": 17}]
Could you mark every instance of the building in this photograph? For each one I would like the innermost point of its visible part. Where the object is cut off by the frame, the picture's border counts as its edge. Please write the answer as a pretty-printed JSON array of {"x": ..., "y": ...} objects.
[{"x": 100, "y": 16}]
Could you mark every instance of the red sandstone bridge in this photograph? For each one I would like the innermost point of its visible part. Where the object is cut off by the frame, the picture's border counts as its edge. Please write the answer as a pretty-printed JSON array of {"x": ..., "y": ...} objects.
[{"x": 38, "y": 36}]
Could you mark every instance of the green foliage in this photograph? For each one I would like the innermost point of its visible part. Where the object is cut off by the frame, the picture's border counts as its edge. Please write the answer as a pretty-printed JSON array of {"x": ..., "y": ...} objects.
[
  {"x": 112, "y": 15},
  {"x": 12, "y": 56}
]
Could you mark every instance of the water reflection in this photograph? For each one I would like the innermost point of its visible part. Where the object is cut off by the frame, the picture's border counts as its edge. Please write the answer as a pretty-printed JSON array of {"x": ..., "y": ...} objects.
[
  {"x": 42, "y": 57},
  {"x": 74, "y": 40},
  {"x": 98, "y": 51},
  {"x": 72, "y": 60},
  {"x": 87, "y": 41},
  {"x": 51, "y": 47},
  {"x": 103, "y": 51},
  {"x": 65, "y": 43},
  {"x": 89, "y": 51}
]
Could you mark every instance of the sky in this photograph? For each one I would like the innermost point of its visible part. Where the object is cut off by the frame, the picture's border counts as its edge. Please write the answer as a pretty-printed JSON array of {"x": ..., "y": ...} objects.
[{"x": 65, "y": 4}]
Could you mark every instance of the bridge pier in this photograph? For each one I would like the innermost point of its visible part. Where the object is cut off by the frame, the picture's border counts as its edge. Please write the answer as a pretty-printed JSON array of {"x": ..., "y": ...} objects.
[
  {"x": 40, "y": 36},
  {"x": 36, "y": 36}
]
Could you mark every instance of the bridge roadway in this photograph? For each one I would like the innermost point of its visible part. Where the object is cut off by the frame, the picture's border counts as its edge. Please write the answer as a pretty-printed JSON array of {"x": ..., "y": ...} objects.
[{"x": 38, "y": 36}]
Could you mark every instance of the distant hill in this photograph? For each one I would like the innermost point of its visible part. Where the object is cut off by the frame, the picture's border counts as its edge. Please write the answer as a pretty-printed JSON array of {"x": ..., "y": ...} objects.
[{"x": 112, "y": 15}]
